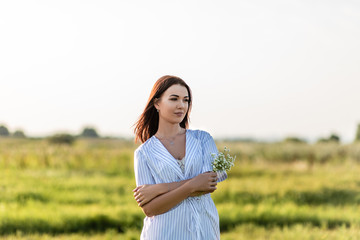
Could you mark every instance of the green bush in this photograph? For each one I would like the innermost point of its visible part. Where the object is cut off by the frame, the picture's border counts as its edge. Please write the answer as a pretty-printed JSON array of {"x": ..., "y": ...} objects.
[{"x": 62, "y": 139}]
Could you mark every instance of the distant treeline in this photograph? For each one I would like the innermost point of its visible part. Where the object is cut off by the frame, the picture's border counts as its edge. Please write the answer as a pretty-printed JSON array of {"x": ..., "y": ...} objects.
[
  {"x": 90, "y": 132},
  {"x": 67, "y": 138}
]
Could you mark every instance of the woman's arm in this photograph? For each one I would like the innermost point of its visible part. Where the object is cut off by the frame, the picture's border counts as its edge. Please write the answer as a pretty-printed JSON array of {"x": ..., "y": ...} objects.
[
  {"x": 205, "y": 182},
  {"x": 145, "y": 193}
]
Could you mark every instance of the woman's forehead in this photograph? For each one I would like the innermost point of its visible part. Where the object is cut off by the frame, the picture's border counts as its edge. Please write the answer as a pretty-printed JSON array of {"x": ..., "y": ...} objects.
[{"x": 176, "y": 89}]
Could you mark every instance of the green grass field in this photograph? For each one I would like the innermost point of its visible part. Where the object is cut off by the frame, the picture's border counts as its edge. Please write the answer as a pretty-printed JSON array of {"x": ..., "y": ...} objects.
[{"x": 84, "y": 191}]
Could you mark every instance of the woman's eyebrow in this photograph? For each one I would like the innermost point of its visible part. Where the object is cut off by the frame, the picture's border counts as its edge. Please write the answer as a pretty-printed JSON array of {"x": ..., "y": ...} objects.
[{"x": 174, "y": 95}]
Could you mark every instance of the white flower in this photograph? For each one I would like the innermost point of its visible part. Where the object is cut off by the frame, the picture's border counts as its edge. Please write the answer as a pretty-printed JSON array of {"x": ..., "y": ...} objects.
[{"x": 222, "y": 161}]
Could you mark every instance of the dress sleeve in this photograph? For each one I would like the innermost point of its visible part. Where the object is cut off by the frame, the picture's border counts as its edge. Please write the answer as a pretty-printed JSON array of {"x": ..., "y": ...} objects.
[
  {"x": 142, "y": 171},
  {"x": 209, "y": 147}
]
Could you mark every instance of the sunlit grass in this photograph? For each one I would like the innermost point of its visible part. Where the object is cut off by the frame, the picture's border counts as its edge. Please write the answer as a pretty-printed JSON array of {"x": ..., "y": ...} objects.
[{"x": 84, "y": 191}]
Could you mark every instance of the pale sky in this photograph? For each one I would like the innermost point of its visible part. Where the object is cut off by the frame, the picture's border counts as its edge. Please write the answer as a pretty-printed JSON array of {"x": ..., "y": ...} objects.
[{"x": 257, "y": 68}]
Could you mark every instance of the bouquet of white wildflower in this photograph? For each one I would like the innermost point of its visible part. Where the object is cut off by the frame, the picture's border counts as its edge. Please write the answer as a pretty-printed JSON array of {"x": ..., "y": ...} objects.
[{"x": 222, "y": 161}]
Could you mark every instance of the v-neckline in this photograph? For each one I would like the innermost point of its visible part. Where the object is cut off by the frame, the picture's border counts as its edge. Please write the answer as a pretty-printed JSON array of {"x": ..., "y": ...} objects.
[{"x": 186, "y": 140}]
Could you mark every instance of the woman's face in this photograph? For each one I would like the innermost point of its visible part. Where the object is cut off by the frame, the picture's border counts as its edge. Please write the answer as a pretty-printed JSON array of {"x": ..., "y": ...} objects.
[{"x": 173, "y": 104}]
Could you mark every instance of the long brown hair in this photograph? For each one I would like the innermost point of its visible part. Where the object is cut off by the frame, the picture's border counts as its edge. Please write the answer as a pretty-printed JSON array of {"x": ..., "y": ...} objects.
[{"x": 148, "y": 122}]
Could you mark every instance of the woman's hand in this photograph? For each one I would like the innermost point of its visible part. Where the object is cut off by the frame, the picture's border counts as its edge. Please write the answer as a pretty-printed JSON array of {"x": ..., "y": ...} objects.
[
  {"x": 205, "y": 182},
  {"x": 145, "y": 193}
]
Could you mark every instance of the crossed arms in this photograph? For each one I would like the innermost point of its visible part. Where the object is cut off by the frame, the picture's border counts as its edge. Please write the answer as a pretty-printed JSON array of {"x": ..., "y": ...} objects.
[{"x": 155, "y": 199}]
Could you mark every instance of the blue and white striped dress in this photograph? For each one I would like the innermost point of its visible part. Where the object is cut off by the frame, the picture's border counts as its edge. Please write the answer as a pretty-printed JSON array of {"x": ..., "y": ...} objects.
[{"x": 194, "y": 217}]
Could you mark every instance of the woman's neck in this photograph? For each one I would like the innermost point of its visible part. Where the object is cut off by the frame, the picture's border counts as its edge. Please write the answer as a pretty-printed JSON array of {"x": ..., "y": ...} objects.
[{"x": 169, "y": 130}]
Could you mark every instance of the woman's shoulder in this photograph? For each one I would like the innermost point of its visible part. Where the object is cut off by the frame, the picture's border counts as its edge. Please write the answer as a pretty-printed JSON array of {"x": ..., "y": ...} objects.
[
  {"x": 201, "y": 135},
  {"x": 144, "y": 146}
]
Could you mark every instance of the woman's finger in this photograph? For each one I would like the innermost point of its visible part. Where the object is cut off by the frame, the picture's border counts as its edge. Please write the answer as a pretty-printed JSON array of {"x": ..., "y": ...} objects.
[
  {"x": 142, "y": 202},
  {"x": 137, "y": 188},
  {"x": 145, "y": 201},
  {"x": 137, "y": 194}
]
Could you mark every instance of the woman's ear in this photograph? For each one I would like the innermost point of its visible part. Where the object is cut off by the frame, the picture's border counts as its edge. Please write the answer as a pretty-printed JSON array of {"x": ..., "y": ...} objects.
[{"x": 156, "y": 103}]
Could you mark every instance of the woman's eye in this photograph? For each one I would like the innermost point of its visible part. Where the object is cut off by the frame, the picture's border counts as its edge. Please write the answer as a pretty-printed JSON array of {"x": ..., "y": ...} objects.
[{"x": 175, "y": 99}]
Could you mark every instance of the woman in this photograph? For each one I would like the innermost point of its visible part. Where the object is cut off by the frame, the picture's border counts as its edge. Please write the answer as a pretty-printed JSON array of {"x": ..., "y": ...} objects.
[{"x": 173, "y": 168}]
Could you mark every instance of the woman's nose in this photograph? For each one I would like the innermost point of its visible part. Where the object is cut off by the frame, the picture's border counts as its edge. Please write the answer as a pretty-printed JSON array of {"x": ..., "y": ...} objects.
[{"x": 180, "y": 104}]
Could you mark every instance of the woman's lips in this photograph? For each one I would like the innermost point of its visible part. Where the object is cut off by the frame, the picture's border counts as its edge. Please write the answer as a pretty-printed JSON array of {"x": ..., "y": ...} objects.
[{"x": 179, "y": 114}]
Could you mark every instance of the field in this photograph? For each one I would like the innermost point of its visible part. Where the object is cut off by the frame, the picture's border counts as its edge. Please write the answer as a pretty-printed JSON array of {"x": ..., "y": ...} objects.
[{"x": 84, "y": 191}]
